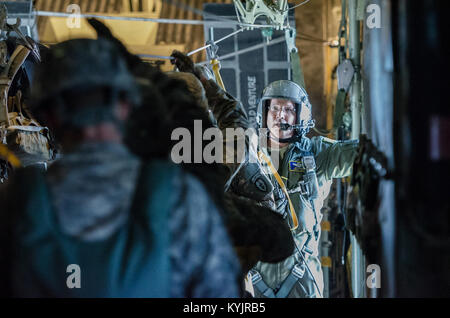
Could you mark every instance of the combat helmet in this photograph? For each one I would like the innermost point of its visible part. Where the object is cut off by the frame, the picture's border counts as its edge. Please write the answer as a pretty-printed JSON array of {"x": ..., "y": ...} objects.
[
  {"x": 82, "y": 64},
  {"x": 285, "y": 89}
]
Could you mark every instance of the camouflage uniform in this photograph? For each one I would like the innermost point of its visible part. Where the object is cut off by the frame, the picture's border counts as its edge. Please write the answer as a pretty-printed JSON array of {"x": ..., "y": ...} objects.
[{"x": 247, "y": 178}]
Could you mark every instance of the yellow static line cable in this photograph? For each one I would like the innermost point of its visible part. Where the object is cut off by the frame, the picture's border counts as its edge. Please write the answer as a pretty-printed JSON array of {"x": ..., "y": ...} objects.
[
  {"x": 216, "y": 69},
  {"x": 283, "y": 187}
]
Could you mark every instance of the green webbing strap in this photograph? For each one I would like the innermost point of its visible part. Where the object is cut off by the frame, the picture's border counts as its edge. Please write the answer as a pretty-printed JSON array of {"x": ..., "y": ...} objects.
[
  {"x": 339, "y": 108},
  {"x": 297, "y": 72}
]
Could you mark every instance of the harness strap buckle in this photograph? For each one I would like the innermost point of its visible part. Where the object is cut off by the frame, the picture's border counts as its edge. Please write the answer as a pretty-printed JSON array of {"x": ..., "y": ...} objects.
[
  {"x": 298, "y": 270},
  {"x": 303, "y": 187},
  {"x": 256, "y": 277}
]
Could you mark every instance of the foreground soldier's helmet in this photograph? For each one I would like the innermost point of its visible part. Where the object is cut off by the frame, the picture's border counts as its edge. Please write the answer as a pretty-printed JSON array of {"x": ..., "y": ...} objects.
[
  {"x": 284, "y": 89},
  {"x": 82, "y": 64}
]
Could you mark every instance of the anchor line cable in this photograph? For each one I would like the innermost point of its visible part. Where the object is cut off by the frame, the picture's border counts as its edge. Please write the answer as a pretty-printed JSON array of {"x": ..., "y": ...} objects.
[
  {"x": 249, "y": 49},
  {"x": 223, "y": 57},
  {"x": 255, "y": 47},
  {"x": 246, "y": 50},
  {"x": 215, "y": 42}
]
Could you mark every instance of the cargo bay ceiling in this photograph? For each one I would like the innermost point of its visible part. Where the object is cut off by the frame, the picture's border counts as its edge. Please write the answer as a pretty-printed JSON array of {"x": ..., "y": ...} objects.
[{"x": 139, "y": 36}]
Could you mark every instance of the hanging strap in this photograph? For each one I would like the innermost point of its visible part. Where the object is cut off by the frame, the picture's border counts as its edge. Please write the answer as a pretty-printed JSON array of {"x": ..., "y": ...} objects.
[
  {"x": 340, "y": 108},
  {"x": 297, "y": 72},
  {"x": 283, "y": 188}
]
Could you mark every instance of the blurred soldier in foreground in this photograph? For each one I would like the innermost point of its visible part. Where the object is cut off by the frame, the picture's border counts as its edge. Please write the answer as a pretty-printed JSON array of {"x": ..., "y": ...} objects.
[{"x": 135, "y": 229}]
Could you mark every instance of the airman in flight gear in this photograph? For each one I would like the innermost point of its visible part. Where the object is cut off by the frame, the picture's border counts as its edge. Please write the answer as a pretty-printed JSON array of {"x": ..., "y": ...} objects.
[{"x": 301, "y": 183}]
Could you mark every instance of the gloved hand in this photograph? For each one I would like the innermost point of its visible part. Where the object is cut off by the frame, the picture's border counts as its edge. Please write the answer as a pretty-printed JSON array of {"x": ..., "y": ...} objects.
[{"x": 185, "y": 64}]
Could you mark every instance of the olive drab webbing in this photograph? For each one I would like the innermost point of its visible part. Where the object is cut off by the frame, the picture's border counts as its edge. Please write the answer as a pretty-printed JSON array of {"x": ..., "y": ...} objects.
[{"x": 296, "y": 67}]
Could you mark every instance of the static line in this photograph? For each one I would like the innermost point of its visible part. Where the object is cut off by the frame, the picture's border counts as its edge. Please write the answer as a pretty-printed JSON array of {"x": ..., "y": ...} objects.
[
  {"x": 215, "y": 42},
  {"x": 278, "y": 40},
  {"x": 252, "y": 48}
]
